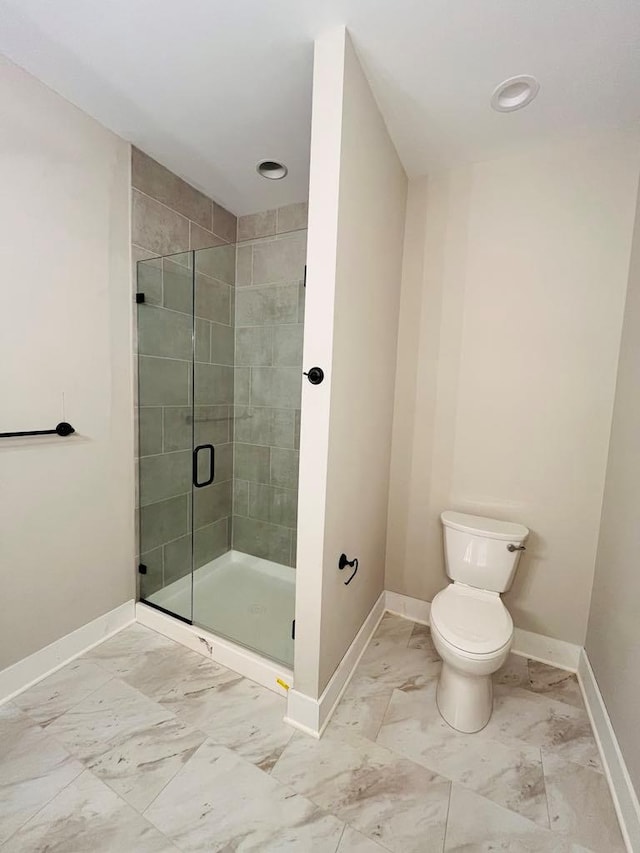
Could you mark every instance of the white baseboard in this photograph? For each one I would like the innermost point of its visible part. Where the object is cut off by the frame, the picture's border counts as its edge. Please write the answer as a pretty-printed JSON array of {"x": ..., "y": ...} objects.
[
  {"x": 411, "y": 608},
  {"x": 303, "y": 713},
  {"x": 535, "y": 646},
  {"x": 16, "y": 678},
  {"x": 312, "y": 715},
  {"x": 624, "y": 796},
  {"x": 271, "y": 675},
  {"x": 556, "y": 653}
]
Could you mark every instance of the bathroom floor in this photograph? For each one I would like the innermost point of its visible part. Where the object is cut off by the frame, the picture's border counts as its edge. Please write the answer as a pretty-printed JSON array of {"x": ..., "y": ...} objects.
[{"x": 142, "y": 745}]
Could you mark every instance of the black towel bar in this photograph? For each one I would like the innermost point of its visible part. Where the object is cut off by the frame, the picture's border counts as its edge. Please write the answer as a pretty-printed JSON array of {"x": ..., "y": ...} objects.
[{"x": 63, "y": 428}]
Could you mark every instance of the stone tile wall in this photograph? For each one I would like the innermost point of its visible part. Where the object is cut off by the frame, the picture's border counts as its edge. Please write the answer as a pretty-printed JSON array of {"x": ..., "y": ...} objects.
[
  {"x": 249, "y": 311},
  {"x": 171, "y": 217},
  {"x": 270, "y": 262}
]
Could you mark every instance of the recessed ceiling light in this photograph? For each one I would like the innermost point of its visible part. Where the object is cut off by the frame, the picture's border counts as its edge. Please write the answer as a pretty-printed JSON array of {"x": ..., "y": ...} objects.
[
  {"x": 272, "y": 170},
  {"x": 514, "y": 93}
]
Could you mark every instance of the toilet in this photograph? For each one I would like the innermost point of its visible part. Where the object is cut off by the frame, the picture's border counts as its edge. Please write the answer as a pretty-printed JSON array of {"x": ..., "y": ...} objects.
[{"x": 471, "y": 628}]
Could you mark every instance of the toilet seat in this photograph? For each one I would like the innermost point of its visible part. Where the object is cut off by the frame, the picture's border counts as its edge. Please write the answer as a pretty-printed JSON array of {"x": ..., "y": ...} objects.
[{"x": 473, "y": 621}]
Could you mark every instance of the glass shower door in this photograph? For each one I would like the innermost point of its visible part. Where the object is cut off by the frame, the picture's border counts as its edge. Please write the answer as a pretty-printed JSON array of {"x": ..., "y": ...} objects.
[
  {"x": 213, "y": 398},
  {"x": 220, "y": 334},
  {"x": 166, "y": 338}
]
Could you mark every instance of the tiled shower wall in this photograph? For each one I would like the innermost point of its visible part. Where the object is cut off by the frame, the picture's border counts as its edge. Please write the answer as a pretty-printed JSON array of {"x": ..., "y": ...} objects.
[
  {"x": 270, "y": 265},
  {"x": 249, "y": 318},
  {"x": 168, "y": 217}
]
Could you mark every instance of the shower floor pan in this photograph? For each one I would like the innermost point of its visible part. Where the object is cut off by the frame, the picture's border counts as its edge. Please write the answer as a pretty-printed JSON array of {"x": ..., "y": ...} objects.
[{"x": 242, "y": 598}]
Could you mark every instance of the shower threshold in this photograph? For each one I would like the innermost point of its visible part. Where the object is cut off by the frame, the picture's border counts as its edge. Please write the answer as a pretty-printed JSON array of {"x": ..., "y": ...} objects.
[{"x": 243, "y": 607}]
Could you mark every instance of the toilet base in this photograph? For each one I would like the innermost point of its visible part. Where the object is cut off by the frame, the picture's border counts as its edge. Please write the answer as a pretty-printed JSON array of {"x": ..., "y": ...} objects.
[{"x": 465, "y": 701}]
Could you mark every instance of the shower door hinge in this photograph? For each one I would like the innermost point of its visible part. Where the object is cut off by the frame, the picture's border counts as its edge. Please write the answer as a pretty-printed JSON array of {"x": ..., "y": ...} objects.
[
  {"x": 139, "y": 298},
  {"x": 304, "y": 280},
  {"x": 142, "y": 569},
  {"x": 293, "y": 630}
]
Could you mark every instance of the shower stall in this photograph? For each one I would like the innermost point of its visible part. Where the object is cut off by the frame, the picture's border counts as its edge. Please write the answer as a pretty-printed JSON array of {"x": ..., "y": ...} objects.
[{"x": 219, "y": 386}]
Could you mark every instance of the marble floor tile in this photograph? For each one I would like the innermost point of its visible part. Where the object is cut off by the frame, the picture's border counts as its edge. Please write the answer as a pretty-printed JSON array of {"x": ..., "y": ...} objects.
[
  {"x": 33, "y": 769},
  {"x": 127, "y": 650},
  {"x": 509, "y": 775},
  {"x": 170, "y": 674},
  {"x": 238, "y": 714},
  {"x": 397, "y": 666},
  {"x": 421, "y": 639},
  {"x": 580, "y": 805},
  {"x": 362, "y": 707},
  {"x": 220, "y": 802},
  {"x": 55, "y": 694},
  {"x": 232, "y": 710},
  {"x": 14, "y": 723},
  {"x": 115, "y": 710},
  {"x": 513, "y": 673},
  {"x": 138, "y": 766},
  {"x": 205, "y": 754},
  {"x": 476, "y": 824},
  {"x": 540, "y": 678},
  {"x": 88, "y": 816},
  {"x": 353, "y": 841},
  {"x": 555, "y": 683},
  {"x": 521, "y": 716},
  {"x": 395, "y": 629},
  {"x": 392, "y": 801}
]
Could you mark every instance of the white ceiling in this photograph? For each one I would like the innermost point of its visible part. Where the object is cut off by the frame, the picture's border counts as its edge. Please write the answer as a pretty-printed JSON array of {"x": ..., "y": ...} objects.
[{"x": 209, "y": 87}]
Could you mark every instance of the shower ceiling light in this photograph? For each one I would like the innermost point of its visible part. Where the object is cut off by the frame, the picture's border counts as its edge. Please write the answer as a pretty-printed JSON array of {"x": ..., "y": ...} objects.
[
  {"x": 514, "y": 93},
  {"x": 272, "y": 170}
]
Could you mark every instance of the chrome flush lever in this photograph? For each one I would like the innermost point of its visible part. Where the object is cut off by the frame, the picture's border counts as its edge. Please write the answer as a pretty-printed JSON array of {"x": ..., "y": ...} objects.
[{"x": 511, "y": 547}]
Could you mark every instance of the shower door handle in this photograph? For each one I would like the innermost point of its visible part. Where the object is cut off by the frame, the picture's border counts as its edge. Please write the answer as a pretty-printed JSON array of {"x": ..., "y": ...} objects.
[{"x": 212, "y": 465}]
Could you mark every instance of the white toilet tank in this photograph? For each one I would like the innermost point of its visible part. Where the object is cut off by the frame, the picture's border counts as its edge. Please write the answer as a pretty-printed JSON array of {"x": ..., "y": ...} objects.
[{"x": 477, "y": 550}]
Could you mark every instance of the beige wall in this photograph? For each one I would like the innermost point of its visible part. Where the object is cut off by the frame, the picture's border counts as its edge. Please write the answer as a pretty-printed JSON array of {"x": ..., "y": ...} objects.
[
  {"x": 66, "y": 505},
  {"x": 356, "y": 219},
  {"x": 613, "y": 637},
  {"x": 513, "y": 290}
]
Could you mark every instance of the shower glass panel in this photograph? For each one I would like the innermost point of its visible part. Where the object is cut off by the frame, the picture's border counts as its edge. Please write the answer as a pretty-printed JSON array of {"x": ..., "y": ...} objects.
[
  {"x": 220, "y": 367},
  {"x": 165, "y": 431}
]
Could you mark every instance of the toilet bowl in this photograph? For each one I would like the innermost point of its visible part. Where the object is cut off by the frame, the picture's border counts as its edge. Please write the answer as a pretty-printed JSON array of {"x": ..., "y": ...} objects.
[
  {"x": 471, "y": 628},
  {"x": 472, "y": 647}
]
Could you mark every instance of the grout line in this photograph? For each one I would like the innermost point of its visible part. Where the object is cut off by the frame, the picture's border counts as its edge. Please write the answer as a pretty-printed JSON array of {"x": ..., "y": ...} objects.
[
  {"x": 154, "y": 254},
  {"x": 32, "y": 817},
  {"x": 286, "y": 282},
  {"x": 161, "y": 203},
  {"x": 83, "y": 762},
  {"x": 183, "y": 216},
  {"x": 165, "y": 358},
  {"x": 375, "y": 737},
  {"x": 544, "y": 785},
  {"x": 262, "y": 520},
  {"x": 269, "y": 238},
  {"x": 269, "y": 444},
  {"x": 264, "y": 325},
  {"x": 446, "y": 822},
  {"x": 269, "y": 485},
  {"x": 149, "y": 823},
  {"x": 178, "y": 771}
]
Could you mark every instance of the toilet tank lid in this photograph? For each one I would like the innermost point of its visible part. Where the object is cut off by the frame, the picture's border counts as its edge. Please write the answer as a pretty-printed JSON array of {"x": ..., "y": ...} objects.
[{"x": 480, "y": 526}]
